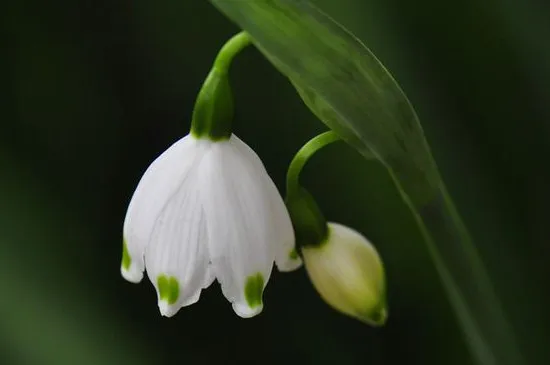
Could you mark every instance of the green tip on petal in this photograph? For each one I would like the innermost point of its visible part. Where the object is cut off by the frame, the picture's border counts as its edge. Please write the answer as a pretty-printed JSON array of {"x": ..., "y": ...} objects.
[
  {"x": 253, "y": 290},
  {"x": 293, "y": 255},
  {"x": 126, "y": 260},
  {"x": 168, "y": 288},
  {"x": 377, "y": 317}
]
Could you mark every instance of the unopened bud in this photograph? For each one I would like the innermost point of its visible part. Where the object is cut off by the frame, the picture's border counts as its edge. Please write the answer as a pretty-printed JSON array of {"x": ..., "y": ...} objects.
[{"x": 348, "y": 274}]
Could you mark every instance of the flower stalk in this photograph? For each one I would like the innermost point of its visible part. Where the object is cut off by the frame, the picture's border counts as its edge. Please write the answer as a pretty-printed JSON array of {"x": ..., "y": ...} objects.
[
  {"x": 213, "y": 112},
  {"x": 310, "y": 226}
]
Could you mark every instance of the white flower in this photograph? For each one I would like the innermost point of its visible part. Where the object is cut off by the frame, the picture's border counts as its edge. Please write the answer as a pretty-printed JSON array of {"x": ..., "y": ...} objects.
[
  {"x": 207, "y": 210},
  {"x": 348, "y": 274}
]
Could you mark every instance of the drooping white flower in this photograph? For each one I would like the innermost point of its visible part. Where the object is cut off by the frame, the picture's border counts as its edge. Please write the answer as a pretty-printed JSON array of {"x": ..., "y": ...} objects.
[
  {"x": 348, "y": 274},
  {"x": 207, "y": 210}
]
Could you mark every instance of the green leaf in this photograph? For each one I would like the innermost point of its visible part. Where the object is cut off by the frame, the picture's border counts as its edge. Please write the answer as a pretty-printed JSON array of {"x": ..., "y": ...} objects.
[
  {"x": 343, "y": 84},
  {"x": 347, "y": 87}
]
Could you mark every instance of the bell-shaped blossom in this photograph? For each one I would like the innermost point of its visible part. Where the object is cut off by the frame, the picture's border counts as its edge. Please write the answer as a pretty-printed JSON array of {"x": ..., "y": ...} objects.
[{"x": 207, "y": 210}]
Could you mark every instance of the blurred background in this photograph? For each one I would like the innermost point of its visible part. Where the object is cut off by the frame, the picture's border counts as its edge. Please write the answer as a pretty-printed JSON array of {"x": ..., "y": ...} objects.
[{"x": 92, "y": 91}]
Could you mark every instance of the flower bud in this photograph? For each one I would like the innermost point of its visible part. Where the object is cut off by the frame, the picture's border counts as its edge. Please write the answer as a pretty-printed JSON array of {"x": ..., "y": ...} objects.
[{"x": 348, "y": 274}]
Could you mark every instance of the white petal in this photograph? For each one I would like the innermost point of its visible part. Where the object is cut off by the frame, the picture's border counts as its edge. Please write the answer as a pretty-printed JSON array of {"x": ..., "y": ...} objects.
[
  {"x": 240, "y": 224},
  {"x": 286, "y": 256},
  {"x": 177, "y": 256},
  {"x": 158, "y": 184}
]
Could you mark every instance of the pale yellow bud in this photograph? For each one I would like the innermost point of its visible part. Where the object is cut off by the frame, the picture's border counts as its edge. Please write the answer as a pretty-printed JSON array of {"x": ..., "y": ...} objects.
[{"x": 348, "y": 274}]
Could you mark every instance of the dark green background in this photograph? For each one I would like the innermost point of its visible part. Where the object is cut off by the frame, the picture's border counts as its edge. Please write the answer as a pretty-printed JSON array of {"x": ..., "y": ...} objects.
[{"x": 93, "y": 91}]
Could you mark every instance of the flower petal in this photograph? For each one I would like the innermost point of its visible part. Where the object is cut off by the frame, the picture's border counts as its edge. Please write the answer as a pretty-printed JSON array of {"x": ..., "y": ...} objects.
[
  {"x": 286, "y": 256},
  {"x": 177, "y": 257},
  {"x": 158, "y": 184},
  {"x": 240, "y": 224}
]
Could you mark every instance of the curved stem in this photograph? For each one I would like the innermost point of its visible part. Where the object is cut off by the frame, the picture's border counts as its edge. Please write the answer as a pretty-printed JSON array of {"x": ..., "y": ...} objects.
[
  {"x": 230, "y": 49},
  {"x": 303, "y": 155},
  {"x": 214, "y": 110}
]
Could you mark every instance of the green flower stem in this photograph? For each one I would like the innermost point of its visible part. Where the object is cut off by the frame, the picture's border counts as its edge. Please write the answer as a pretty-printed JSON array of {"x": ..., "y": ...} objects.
[
  {"x": 310, "y": 226},
  {"x": 303, "y": 155},
  {"x": 213, "y": 112},
  {"x": 229, "y": 50}
]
